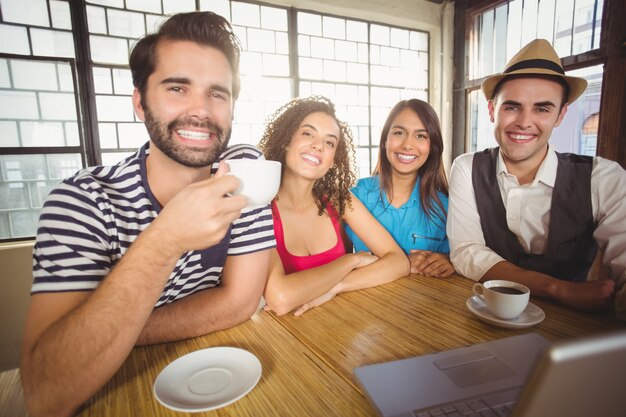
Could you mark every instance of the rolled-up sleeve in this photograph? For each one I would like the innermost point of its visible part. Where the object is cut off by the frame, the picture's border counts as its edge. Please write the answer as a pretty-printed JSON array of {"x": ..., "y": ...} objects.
[
  {"x": 468, "y": 252},
  {"x": 608, "y": 190}
]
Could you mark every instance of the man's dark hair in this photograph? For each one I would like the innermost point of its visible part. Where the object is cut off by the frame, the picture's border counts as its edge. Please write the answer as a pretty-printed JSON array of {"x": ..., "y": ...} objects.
[
  {"x": 204, "y": 28},
  {"x": 554, "y": 78}
]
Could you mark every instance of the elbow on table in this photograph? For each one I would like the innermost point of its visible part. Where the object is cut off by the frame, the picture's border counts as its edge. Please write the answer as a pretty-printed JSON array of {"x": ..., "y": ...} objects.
[
  {"x": 38, "y": 401},
  {"x": 278, "y": 302},
  {"x": 400, "y": 264}
]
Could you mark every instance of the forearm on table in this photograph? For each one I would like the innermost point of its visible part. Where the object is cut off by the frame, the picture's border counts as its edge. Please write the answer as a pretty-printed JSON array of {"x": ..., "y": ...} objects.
[
  {"x": 541, "y": 285},
  {"x": 387, "y": 268},
  {"x": 286, "y": 292},
  {"x": 198, "y": 314},
  {"x": 65, "y": 363}
]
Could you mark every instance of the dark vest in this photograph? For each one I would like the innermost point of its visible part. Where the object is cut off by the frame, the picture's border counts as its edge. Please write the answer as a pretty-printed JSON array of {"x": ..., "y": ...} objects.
[{"x": 570, "y": 248}]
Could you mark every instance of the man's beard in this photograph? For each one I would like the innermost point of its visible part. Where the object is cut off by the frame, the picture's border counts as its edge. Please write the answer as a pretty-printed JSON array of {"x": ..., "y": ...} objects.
[{"x": 161, "y": 135}]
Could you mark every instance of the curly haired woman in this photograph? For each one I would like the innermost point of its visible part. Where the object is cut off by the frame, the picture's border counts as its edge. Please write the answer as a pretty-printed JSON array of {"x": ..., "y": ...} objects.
[{"x": 310, "y": 265}]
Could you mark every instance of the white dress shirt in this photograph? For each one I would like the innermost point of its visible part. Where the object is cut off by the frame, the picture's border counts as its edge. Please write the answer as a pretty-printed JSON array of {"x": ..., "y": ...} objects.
[{"x": 528, "y": 215}]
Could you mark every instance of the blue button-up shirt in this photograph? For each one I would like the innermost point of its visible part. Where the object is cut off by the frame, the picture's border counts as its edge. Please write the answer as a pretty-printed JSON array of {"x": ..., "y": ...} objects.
[{"x": 408, "y": 224}]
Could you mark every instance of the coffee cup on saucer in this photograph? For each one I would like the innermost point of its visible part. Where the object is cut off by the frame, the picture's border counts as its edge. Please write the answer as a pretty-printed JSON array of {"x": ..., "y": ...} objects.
[
  {"x": 259, "y": 178},
  {"x": 504, "y": 299}
]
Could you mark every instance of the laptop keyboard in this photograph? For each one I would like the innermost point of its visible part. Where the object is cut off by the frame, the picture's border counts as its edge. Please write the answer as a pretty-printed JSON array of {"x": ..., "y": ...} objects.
[{"x": 498, "y": 404}]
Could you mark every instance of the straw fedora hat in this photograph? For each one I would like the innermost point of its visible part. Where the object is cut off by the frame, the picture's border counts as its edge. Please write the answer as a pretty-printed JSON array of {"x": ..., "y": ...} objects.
[{"x": 537, "y": 57}]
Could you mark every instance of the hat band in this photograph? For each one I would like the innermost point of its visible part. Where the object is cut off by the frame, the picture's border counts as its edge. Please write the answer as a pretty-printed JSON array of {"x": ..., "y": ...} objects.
[{"x": 536, "y": 64}]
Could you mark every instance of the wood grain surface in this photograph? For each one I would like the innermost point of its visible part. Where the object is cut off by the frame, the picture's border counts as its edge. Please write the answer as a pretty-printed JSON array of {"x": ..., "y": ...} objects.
[{"x": 308, "y": 361}]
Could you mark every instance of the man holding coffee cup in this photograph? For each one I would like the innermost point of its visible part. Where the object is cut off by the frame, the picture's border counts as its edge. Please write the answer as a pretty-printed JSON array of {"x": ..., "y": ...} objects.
[
  {"x": 155, "y": 248},
  {"x": 525, "y": 213}
]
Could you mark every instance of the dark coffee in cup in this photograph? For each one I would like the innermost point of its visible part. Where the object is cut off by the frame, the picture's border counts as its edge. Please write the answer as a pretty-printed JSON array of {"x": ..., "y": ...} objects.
[
  {"x": 505, "y": 299},
  {"x": 506, "y": 290}
]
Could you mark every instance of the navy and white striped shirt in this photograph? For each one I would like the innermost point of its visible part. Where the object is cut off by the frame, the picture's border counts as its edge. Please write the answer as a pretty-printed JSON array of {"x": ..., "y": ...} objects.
[{"x": 90, "y": 220}]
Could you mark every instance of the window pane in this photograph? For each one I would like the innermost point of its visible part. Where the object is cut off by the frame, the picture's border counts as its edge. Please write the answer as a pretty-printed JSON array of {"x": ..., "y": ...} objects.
[
  {"x": 96, "y": 20},
  {"x": 529, "y": 21},
  {"x": 260, "y": 40},
  {"x": 578, "y": 132},
  {"x": 275, "y": 65},
  {"x": 37, "y": 110},
  {"x": 109, "y": 50},
  {"x": 564, "y": 20},
  {"x": 545, "y": 20},
  {"x": 27, "y": 12},
  {"x": 112, "y": 109},
  {"x": 310, "y": 24},
  {"x": 400, "y": 38},
  {"x": 598, "y": 24},
  {"x": 272, "y": 18},
  {"x": 334, "y": 27},
  {"x": 60, "y": 12},
  {"x": 19, "y": 40},
  {"x": 132, "y": 135},
  {"x": 25, "y": 181},
  {"x": 356, "y": 31},
  {"x": 246, "y": 14},
  {"x": 514, "y": 30},
  {"x": 52, "y": 43},
  {"x": 486, "y": 45},
  {"x": 178, "y": 6},
  {"x": 583, "y": 24},
  {"x": 481, "y": 129},
  {"x": 499, "y": 33},
  {"x": 126, "y": 24},
  {"x": 379, "y": 34},
  {"x": 221, "y": 7},
  {"x": 311, "y": 68},
  {"x": 144, "y": 5}
]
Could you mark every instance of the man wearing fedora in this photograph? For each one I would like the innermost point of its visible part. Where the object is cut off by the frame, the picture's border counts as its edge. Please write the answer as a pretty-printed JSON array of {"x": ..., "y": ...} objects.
[{"x": 525, "y": 213}]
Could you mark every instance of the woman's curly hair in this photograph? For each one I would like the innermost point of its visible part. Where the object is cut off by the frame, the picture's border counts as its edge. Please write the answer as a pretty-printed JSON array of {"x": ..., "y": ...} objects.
[{"x": 334, "y": 187}]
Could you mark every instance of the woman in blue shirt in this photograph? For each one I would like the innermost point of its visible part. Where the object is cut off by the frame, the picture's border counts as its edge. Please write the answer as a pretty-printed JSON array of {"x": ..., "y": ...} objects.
[{"x": 408, "y": 193}]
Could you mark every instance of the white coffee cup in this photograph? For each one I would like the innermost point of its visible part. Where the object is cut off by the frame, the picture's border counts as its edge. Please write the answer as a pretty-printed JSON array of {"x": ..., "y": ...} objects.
[
  {"x": 504, "y": 299},
  {"x": 259, "y": 179}
]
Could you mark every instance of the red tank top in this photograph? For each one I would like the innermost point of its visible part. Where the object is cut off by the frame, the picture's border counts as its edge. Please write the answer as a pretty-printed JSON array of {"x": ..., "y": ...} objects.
[{"x": 294, "y": 263}]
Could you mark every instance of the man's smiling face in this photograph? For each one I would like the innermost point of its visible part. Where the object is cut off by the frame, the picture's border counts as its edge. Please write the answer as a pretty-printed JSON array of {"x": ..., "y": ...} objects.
[
  {"x": 188, "y": 105},
  {"x": 524, "y": 112}
]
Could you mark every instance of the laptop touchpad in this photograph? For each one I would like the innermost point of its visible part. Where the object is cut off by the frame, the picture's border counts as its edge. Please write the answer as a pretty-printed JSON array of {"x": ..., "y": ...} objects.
[{"x": 472, "y": 368}]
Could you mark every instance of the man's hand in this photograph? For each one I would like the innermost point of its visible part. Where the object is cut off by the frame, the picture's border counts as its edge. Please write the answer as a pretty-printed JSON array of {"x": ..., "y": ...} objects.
[
  {"x": 589, "y": 295},
  {"x": 431, "y": 264},
  {"x": 199, "y": 215}
]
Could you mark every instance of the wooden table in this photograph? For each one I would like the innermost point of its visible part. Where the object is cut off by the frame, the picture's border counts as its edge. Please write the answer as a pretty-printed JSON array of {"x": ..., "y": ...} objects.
[{"x": 308, "y": 361}]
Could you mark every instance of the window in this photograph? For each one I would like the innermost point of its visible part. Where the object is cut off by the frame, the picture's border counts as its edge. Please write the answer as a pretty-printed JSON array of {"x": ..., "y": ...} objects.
[
  {"x": 40, "y": 130},
  {"x": 60, "y": 47},
  {"x": 365, "y": 69},
  {"x": 497, "y": 33}
]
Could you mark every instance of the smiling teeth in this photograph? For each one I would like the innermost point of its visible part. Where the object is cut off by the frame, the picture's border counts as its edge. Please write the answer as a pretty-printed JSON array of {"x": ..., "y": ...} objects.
[
  {"x": 522, "y": 137},
  {"x": 406, "y": 157},
  {"x": 192, "y": 134},
  {"x": 311, "y": 158}
]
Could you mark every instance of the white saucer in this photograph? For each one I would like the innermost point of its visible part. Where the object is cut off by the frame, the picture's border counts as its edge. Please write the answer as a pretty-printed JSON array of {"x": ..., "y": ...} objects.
[
  {"x": 207, "y": 379},
  {"x": 529, "y": 317}
]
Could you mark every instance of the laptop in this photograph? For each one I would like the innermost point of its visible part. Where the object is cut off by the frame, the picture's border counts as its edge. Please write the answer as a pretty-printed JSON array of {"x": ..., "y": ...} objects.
[{"x": 516, "y": 376}]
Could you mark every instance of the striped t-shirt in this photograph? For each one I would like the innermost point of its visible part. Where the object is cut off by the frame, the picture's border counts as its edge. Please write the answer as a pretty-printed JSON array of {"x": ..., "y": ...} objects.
[{"x": 90, "y": 220}]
